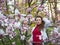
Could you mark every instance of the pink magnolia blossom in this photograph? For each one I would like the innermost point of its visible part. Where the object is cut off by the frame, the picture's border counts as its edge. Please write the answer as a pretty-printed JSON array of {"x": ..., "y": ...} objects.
[
  {"x": 29, "y": 16},
  {"x": 40, "y": 8},
  {"x": 53, "y": 41},
  {"x": 28, "y": 9},
  {"x": 1, "y": 1},
  {"x": 58, "y": 11}
]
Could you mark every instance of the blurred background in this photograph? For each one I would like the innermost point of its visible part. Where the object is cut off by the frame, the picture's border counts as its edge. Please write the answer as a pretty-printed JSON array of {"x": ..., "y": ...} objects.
[{"x": 14, "y": 12}]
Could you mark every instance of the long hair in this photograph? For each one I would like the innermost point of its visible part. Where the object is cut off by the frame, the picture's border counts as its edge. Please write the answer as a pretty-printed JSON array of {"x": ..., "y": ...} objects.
[{"x": 41, "y": 26}]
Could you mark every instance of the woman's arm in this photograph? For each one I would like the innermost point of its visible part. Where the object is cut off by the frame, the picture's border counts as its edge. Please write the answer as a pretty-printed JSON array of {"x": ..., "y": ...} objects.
[{"x": 43, "y": 35}]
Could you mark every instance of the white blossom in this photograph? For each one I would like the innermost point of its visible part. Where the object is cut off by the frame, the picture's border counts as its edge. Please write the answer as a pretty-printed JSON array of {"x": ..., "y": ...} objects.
[{"x": 23, "y": 37}]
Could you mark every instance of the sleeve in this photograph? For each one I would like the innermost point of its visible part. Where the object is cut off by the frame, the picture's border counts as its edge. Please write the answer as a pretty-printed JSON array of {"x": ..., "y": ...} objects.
[{"x": 43, "y": 35}]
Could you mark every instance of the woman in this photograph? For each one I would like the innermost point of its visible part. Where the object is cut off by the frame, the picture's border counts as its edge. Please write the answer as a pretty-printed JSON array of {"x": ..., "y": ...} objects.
[{"x": 38, "y": 32}]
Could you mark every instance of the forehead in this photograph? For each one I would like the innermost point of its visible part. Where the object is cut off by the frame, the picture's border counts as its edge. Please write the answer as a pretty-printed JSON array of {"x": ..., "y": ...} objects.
[{"x": 38, "y": 18}]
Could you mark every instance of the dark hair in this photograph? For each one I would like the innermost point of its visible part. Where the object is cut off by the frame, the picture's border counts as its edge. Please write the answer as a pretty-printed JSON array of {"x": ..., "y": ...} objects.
[{"x": 41, "y": 26}]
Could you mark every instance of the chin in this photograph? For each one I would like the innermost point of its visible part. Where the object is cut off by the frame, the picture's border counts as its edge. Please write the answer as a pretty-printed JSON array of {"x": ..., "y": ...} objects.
[{"x": 38, "y": 24}]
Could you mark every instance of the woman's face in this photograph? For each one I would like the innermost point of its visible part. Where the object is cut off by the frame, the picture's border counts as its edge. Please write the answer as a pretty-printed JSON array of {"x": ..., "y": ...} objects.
[{"x": 38, "y": 21}]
